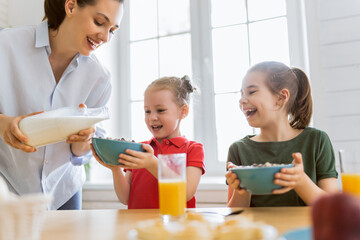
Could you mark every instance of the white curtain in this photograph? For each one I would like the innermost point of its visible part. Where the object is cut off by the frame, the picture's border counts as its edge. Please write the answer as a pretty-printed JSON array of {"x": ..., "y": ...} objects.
[{"x": 3, "y": 13}]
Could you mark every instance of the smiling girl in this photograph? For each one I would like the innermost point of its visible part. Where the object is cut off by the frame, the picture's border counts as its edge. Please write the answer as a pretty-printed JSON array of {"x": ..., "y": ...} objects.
[
  {"x": 166, "y": 104},
  {"x": 46, "y": 67},
  {"x": 277, "y": 100}
]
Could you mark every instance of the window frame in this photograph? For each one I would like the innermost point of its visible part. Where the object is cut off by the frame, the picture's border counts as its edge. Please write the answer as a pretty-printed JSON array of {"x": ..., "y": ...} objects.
[{"x": 202, "y": 68}]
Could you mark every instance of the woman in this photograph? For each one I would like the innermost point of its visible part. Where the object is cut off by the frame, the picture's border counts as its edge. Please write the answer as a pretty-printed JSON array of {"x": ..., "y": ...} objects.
[{"x": 46, "y": 67}]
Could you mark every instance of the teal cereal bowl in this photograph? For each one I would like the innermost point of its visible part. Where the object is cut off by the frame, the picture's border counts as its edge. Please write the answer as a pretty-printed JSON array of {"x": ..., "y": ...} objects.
[
  {"x": 259, "y": 180},
  {"x": 108, "y": 149}
]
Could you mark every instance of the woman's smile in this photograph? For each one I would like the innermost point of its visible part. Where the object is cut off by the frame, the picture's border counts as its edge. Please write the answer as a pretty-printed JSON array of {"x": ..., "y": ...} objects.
[{"x": 93, "y": 44}]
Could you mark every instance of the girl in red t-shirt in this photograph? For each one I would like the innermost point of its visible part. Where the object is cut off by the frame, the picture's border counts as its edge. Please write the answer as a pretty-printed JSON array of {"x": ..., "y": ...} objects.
[{"x": 166, "y": 103}]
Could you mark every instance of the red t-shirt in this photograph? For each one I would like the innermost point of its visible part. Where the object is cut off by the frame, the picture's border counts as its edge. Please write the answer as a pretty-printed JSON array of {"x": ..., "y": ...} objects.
[{"x": 144, "y": 191}]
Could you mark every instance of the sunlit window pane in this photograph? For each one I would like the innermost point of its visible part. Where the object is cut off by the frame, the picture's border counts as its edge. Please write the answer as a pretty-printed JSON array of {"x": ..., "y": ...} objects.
[
  {"x": 261, "y": 9},
  {"x": 104, "y": 54},
  {"x": 231, "y": 124},
  {"x": 228, "y": 12},
  {"x": 139, "y": 130},
  {"x": 269, "y": 41},
  {"x": 144, "y": 66},
  {"x": 143, "y": 19},
  {"x": 231, "y": 57},
  {"x": 174, "y": 16},
  {"x": 175, "y": 56}
]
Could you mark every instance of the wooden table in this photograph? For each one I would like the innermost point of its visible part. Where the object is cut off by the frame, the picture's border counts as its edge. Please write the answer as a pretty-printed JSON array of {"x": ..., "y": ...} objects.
[{"x": 115, "y": 224}]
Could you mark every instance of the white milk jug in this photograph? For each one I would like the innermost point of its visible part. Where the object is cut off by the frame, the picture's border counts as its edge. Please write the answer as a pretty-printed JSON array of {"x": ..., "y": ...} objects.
[{"x": 57, "y": 125}]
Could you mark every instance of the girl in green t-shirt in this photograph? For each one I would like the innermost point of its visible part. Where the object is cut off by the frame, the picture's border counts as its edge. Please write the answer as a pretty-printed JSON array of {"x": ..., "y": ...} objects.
[{"x": 277, "y": 100}]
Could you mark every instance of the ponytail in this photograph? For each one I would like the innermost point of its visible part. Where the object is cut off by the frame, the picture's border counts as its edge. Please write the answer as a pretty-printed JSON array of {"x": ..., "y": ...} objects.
[
  {"x": 301, "y": 109},
  {"x": 186, "y": 88},
  {"x": 54, "y": 12}
]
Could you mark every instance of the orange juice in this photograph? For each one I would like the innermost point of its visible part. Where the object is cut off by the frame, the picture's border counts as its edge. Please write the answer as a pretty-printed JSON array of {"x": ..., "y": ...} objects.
[
  {"x": 351, "y": 183},
  {"x": 172, "y": 197}
]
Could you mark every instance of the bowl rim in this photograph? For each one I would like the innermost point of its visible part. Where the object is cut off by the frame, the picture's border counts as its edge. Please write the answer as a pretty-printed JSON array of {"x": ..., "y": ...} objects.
[
  {"x": 114, "y": 140},
  {"x": 263, "y": 167},
  {"x": 104, "y": 159}
]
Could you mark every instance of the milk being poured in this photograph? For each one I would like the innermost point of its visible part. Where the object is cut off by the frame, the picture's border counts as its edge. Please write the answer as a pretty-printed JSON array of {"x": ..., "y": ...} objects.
[{"x": 57, "y": 125}]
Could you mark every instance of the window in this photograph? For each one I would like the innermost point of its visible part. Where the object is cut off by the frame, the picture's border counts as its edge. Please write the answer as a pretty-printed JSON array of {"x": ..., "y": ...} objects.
[
  {"x": 160, "y": 45},
  {"x": 243, "y": 33},
  {"x": 212, "y": 41}
]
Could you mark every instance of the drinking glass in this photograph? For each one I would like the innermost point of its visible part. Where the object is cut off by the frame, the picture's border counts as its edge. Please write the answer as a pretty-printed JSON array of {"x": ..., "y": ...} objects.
[
  {"x": 350, "y": 172},
  {"x": 172, "y": 185}
]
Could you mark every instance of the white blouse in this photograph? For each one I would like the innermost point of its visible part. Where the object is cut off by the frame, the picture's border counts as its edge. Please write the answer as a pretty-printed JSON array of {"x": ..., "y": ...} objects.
[{"x": 27, "y": 85}]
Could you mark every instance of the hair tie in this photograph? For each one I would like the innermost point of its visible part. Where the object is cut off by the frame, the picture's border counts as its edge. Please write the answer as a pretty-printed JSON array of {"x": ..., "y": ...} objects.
[{"x": 185, "y": 77}]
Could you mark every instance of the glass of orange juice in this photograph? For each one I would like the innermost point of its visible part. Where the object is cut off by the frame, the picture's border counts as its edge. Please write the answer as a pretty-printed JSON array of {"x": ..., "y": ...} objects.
[
  {"x": 172, "y": 185},
  {"x": 350, "y": 172}
]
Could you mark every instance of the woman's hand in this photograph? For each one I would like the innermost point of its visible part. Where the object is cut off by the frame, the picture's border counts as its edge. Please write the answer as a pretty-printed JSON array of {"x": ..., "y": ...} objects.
[
  {"x": 232, "y": 179},
  {"x": 80, "y": 142},
  {"x": 290, "y": 178},
  {"x": 83, "y": 136},
  {"x": 12, "y": 135}
]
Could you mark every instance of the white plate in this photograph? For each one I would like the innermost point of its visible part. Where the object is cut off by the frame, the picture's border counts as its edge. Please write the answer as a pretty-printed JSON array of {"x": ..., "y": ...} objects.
[{"x": 269, "y": 231}]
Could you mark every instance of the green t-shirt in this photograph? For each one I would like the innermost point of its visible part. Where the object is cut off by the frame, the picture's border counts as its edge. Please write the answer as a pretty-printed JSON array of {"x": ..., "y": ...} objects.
[{"x": 317, "y": 153}]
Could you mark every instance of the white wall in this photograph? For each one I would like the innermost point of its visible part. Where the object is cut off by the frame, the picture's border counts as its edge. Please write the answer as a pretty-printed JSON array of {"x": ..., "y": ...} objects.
[
  {"x": 339, "y": 41},
  {"x": 25, "y": 12}
]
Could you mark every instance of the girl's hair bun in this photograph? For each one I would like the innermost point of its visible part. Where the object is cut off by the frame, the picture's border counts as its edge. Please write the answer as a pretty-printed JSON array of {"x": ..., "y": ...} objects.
[{"x": 181, "y": 87}]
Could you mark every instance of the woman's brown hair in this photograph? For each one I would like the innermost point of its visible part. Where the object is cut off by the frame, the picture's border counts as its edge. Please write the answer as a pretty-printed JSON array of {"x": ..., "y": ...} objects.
[
  {"x": 55, "y": 10},
  {"x": 279, "y": 76},
  {"x": 180, "y": 87}
]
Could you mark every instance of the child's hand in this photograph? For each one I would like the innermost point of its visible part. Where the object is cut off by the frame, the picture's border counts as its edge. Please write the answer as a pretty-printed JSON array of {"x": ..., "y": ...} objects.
[
  {"x": 290, "y": 178},
  {"x": 110, "y": 166},
  {"x": 232, "y": 180},
  {"x": 137, "y": 160}
]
